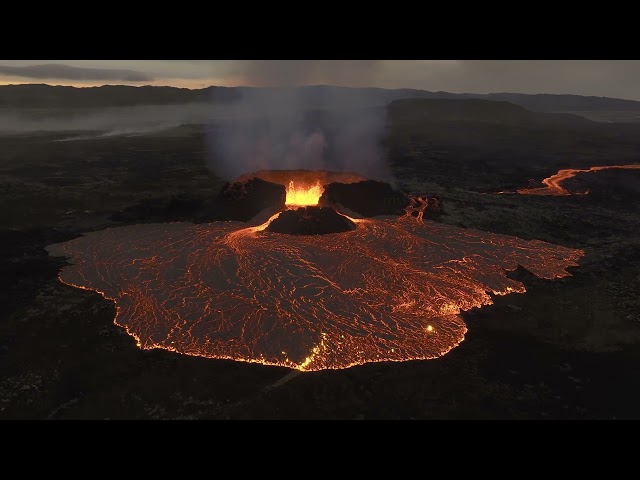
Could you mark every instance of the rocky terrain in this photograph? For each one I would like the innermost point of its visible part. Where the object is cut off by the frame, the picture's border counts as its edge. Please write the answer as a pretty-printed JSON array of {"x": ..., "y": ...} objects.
[{"x": 566, "y": 349}]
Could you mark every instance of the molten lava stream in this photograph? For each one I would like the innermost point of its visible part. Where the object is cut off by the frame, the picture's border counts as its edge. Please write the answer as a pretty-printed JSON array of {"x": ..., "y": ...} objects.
[
  {"x": 390, "y": 290},
  {"x": 553, "y": 184}
]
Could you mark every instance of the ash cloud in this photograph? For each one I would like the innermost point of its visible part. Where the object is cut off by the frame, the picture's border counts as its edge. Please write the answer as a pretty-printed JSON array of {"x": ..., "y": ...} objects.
[
  {"x": 67, "y": 72},
  {"x": 293, "y": 126}
]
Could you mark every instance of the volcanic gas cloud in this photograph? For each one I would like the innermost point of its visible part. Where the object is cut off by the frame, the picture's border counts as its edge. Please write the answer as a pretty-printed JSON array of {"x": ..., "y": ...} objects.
[{"x": 381, "y": 289}]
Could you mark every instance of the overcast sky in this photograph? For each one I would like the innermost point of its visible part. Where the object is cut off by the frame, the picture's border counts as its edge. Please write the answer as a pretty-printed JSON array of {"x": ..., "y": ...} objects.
[{"x": 611, "y": 78}]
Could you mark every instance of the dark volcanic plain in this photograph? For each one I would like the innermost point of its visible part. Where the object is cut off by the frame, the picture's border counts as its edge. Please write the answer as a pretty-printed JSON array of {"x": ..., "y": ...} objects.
[{"x": 566, "y": 349}]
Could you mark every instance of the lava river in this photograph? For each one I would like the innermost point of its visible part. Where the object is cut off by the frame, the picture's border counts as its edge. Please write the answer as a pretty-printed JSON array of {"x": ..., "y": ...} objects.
[
  {"x": 390, "y": 290},
  {"x": 553, "y": 184}
]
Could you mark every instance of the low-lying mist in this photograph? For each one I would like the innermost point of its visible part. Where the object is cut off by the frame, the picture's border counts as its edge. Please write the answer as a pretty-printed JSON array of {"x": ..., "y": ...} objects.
[{"x": 109, "y": 121}]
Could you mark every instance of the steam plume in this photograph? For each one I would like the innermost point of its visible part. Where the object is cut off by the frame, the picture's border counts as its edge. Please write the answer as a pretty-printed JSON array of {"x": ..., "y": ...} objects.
[{"x": 301, "y": 127}]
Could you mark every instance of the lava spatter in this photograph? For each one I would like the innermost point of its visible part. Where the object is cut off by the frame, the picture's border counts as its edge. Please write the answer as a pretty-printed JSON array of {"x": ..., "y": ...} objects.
[{"x": 390, "y": 290}]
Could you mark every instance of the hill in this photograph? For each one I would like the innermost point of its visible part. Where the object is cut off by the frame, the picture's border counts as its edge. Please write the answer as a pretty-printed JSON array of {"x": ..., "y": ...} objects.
[
  {"x": 46, "y": 96},
  {"x": 418, "y": 111}
]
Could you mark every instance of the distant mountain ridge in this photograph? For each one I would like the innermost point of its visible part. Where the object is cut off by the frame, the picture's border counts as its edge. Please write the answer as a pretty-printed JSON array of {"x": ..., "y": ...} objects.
[
  {"x": 47, "y": 96},
  {"x": 418, "y": 111}
]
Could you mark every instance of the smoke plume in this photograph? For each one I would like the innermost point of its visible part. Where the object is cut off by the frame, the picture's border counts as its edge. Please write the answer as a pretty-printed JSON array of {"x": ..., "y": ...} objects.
[{"x": 291, "y": 125}]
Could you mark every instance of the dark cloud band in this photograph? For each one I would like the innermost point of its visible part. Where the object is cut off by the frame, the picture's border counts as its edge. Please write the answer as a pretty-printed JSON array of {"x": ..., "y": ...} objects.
[{"x": 66, "y": 72}]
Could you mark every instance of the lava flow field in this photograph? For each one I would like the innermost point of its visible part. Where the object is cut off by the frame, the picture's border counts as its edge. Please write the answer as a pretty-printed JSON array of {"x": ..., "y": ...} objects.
[{"x": 384, "y": 288}]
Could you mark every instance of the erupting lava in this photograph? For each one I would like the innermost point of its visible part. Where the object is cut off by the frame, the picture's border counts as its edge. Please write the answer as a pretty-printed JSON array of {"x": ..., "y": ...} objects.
[
  {"x": 303, "y": 195},
  {"x": 553, "y": 183},
  {"x": 304, "y": 187},
  {"x": 388, "y": 290}
]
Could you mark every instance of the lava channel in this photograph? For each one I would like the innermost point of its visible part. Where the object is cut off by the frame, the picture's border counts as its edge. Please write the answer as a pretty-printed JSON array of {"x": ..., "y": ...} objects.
[
  {"x": 389, "y": 290},
  {"x": 553, "y": 184}
]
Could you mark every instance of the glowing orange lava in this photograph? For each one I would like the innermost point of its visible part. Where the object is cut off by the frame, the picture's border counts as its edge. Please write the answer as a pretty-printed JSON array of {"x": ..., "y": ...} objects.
[
  {"x": 303, "y": 195},
  {"x": 553, "y": 183},
  {"x": 390, "y": 290},
  {"x": 303, "y": 187}
]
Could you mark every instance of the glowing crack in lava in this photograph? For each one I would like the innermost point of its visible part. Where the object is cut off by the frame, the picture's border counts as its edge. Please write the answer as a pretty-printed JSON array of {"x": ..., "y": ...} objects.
[
  {"x": 553, "y": 184},
  {"x": 389, "y": 290}
]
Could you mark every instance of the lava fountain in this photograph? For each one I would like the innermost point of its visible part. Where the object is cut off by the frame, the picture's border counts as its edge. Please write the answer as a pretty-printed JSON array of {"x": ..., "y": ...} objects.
[
  {"x": 303, "y": 187},
  {"x": 376, "y": 289},
  {"x": 553, "y": 184},
  {"x": 304, "y": 195}
]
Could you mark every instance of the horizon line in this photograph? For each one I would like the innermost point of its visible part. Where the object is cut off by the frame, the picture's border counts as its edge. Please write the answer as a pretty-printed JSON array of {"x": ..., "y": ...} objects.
[{"x": 303, "y": 86}]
